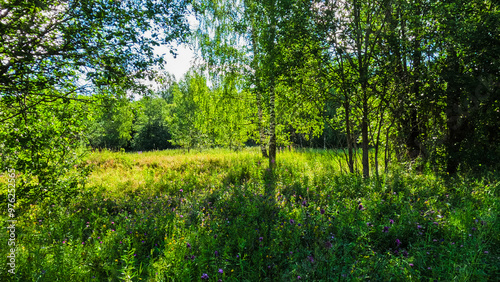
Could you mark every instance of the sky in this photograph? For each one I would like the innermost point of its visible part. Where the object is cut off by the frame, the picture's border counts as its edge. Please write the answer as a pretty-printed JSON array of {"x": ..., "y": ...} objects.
[{"x": 180, "y": 65}]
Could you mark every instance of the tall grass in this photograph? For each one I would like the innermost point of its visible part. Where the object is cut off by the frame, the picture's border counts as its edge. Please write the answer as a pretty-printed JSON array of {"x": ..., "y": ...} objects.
[{"x": 221, "y": 215}]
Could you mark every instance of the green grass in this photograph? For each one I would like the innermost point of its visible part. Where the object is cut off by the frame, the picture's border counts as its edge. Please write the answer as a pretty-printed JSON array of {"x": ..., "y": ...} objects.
[{"x": 173, "y": 216}]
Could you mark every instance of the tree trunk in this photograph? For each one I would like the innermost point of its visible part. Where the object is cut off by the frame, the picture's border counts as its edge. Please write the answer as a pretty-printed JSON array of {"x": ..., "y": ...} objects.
[
  {"x": 261, "y": 127},
  {"x": 349, "y": 136},
  {"x": 272, "y": 128},
  {"x": 364, "y": 135},
  {"x": 258, "y": 93},
  {"x": 456, "y": 115}
]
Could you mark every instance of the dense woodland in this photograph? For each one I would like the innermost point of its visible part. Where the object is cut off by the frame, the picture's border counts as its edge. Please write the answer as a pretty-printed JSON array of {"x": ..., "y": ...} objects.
[{"x": 397, "y": 103}]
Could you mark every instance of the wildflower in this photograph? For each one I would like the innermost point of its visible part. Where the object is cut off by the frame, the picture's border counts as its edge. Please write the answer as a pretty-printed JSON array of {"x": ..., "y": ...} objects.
[
  {"x": 292, "y": 221},
  {"x": 369, "y": 224},
  {"x": 193, "y": 257},
  {"x": 260, "y": 239},
  {"x": 386, "y": 229},
  {"x": 298, "y": 277},
  {"x": 310, "y": 258},
  {"x": 419, "y": 226},
  {"x": 486, "y": 252},
  {"x": 216, "y": 253},
  {"x": 411, "y": 264},
  {"x": 221, "y": 271},
  {"x": 204, "y": 276},
  {"x": 360, "y": 207},
  {"x": 405, "y": 253},
  {"x": 398, "y": 242},
  {"x": 322, "y": 211},
  {"x": 391, "y": 221},
  {"x": 188, "y": 245},
  {"x": 328, "y": 245},
  {"x": 181, "y": 190}
]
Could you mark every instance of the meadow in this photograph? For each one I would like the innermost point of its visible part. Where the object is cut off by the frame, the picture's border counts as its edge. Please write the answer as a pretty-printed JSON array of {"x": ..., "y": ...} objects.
[{"x": 219, "y": 215}]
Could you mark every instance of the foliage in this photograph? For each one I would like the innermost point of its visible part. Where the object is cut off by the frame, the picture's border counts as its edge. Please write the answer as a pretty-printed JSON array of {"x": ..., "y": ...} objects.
[
  {"x": 112, "y": 127},
  {"x": 151, "y": 128},
  {"x": 43, "y": 147},
  {"x": 55, "y": 54},
  {"x": 204, "y": 117}
]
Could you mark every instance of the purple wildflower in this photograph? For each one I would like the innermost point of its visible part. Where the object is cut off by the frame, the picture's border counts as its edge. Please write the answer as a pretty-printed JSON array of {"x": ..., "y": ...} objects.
[
  {"x": 391, "y": 221},
  {"x": 204, "y": 276},
  {"x": 398, "y": 242},
  {"x": 260, "y": 239},
  {"x": 220, "y": 270},
  {"x": 310, "y": 258},
  {"x": 386, "y": 229},
  {"x": 322, "y": 211},
  {"x": 328, "y": 245},
  {"x": 188, "y": 245}
]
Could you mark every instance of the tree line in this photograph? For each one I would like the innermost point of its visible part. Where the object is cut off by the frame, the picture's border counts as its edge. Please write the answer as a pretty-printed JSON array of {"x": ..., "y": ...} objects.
[{"x": 415, "y": 79}]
